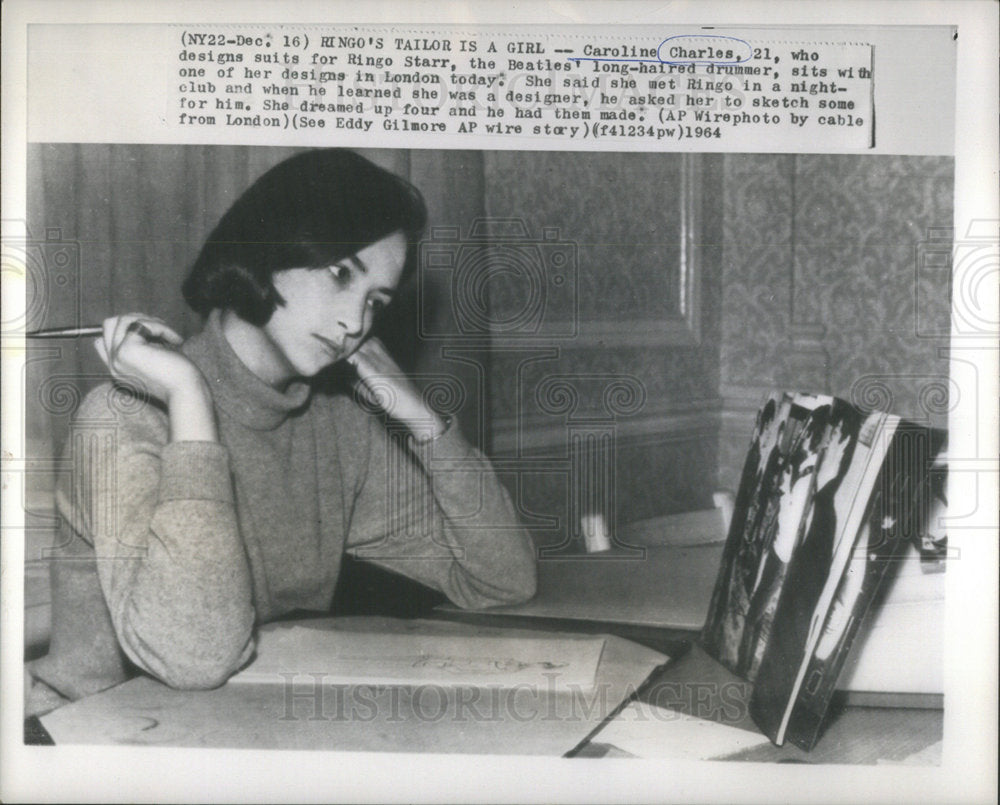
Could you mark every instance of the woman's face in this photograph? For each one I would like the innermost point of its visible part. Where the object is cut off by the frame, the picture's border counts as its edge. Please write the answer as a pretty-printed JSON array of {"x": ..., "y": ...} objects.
[{"x": 328, "y": 311}]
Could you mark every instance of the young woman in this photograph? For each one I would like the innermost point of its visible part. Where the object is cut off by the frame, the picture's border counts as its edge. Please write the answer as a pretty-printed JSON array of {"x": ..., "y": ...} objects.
[{"x": 226, "y": 493}]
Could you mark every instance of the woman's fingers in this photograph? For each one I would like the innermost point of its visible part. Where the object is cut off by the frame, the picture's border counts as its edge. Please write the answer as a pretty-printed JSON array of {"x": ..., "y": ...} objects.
[
  {"x": 137, "y": 346},
  {"x": 372, "y": 358},
  {"x": 362, "y": 361},
  {"x": 135, "y": 328},
  {"x": 385, "y": 386},
  {"x": 115, "y": 330},
  {"x": 102, "y": 351},
  {"x": 141, "y": 350},
  {"x": 153, "y": 329}
]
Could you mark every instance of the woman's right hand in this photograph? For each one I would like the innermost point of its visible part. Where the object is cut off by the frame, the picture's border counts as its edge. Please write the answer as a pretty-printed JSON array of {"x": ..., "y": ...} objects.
[{"x": 142, "y": 350}]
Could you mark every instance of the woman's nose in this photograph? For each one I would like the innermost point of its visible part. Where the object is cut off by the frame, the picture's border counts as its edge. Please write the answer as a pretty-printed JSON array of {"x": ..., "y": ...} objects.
[{"x": 351, "y": 317}]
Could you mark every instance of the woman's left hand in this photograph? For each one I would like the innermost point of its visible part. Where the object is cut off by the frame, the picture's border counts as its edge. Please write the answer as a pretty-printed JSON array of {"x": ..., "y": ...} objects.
[{"x": 386, "y": 386}]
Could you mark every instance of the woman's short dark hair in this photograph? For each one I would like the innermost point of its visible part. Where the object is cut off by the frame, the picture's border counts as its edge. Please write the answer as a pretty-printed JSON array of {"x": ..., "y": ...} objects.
[{"x": 309, "y": 211}]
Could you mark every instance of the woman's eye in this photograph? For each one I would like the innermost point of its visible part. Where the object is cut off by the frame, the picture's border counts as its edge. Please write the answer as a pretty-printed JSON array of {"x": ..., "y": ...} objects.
[
  {"x": 341, "y": 273},
  {"x": 376, "y": 304}
]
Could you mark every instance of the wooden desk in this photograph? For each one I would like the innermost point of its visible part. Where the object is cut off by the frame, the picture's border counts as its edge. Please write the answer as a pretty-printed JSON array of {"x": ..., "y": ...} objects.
[
  {"x": 144, "y": 712},
  {"x": 664, "y": 580},
  {"x": 658, "y": 602}
]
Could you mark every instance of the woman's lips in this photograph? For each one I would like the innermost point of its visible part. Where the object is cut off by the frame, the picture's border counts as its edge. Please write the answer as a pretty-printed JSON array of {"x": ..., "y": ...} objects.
[{"x": 336, "y": 350}]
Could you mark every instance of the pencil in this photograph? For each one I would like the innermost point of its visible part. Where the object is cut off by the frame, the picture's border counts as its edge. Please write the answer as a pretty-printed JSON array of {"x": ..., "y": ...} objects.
[
  {"x": 94, "y": 330},
  {"x": 67, "y": 332}
]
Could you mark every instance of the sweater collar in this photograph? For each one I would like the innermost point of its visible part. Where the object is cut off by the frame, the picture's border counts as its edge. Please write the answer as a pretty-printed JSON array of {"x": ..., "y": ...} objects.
[{"x": 235, "y": 389}]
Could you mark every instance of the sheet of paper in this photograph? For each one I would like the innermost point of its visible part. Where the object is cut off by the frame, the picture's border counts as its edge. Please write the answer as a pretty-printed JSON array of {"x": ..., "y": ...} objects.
[
  {"x": 351, "y": 657},
  {"x": 306, "y": 714},
  {"x": 648, "y": 731}
]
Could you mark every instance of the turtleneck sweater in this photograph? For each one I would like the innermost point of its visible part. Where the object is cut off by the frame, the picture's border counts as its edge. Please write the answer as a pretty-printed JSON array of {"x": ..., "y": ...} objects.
[{"x": 171, "y": 552}]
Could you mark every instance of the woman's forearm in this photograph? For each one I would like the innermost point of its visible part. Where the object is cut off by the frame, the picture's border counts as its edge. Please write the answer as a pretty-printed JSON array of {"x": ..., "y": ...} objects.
[
  {"x": 158, "y": 509},
  {"x": 470, "y": 546},
  {"x": 192, "y": 418},
  {"x": 179, "y": 590}
]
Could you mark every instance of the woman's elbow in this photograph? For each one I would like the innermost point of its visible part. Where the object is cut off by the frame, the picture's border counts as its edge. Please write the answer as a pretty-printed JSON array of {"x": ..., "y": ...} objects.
[
  {"x": 520, "y": 578},
  {"x": 192, "y": 665},
  {"x": 524, "y": 584},
  {"x": 196, "y": 675},
  {"x": 517, "y": 586},
  {"x": 206, "y": 671}
]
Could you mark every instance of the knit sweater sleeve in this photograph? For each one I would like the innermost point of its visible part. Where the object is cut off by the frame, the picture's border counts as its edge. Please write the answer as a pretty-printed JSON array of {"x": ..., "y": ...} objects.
[
  {"x": 437, "y": 513},
  {"x": 161, "y": 518}
]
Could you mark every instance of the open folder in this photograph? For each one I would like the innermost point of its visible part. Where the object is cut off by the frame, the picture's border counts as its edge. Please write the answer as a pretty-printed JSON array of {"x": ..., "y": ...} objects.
[{"x": 447, "y": 660}]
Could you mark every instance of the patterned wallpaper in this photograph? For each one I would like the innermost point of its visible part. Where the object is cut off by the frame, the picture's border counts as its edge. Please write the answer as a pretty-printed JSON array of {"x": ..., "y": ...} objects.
[
  {"x": 757, "y": 267},
  {"x": 824, "y": 287},
  {"x": 622, "y": 211}
]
